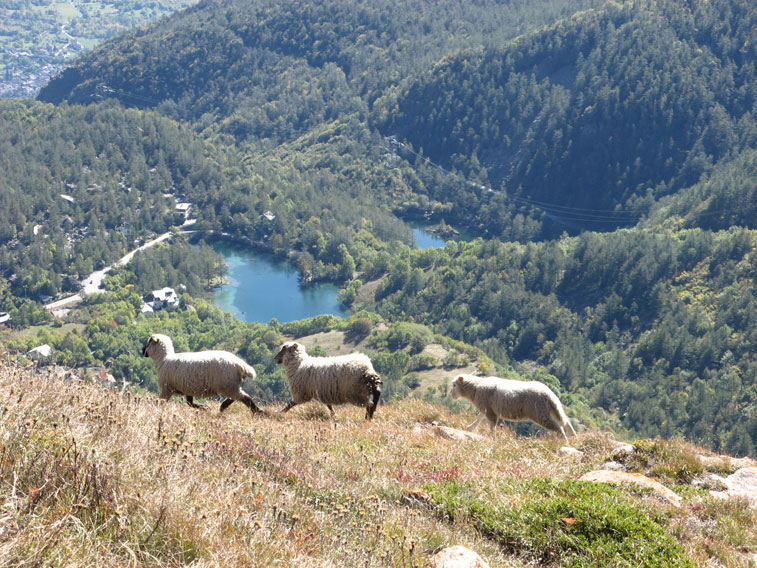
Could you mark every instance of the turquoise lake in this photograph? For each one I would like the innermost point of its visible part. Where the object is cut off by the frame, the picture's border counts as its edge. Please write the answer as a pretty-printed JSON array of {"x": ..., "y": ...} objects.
[
  {"x": 424, "y": 240},
  {"x": 261, "y": 288}
]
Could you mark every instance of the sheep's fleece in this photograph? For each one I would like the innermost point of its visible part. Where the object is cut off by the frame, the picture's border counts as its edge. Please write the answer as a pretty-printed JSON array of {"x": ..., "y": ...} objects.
[
  {"x": 345, "y": 379},
  {"x": 512, "y": 400},
  {"x": 201, "y": 374}
]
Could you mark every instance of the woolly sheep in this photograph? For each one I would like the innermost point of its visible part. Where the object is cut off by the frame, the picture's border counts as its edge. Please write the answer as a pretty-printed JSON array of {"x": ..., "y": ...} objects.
[
  {"x": 346, "y": 379},
  {"x": 201, "y": 374},
  {"x": 512, "y": 400}
]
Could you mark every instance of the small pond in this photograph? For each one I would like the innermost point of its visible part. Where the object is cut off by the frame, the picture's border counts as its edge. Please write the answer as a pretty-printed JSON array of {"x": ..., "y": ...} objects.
[
  {"x": 425, "y": 239},
  {"x": 261, "y": 288}
]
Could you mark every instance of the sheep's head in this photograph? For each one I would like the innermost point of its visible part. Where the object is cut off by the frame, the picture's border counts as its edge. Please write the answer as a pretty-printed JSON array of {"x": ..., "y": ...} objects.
[
  {"x": 457, "y": 386},
  {"x": 288, "y": 350},
  {"x": 157, "y": 343}
]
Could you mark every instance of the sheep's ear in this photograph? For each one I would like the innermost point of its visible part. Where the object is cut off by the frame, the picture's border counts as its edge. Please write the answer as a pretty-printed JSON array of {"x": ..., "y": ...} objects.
[{"x": 459, "y": 379}]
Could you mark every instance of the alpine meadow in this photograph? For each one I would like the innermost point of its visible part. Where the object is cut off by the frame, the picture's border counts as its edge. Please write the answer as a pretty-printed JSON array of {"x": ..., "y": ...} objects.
[{"x": 591, "y": 167}]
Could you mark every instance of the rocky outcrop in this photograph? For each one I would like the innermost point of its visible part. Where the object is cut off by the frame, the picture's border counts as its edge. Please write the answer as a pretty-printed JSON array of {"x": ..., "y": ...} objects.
[
  {"x": 456, "y": 435},
  {"x": 623, "y": 477},
  {"x": 742, "y": 484}
]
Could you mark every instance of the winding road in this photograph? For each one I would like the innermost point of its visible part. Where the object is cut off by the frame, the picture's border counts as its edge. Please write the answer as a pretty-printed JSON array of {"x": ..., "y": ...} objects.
[{"x": 92, "y": 284}]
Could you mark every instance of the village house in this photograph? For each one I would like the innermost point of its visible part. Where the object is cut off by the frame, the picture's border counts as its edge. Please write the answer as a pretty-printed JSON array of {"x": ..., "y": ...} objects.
[
  {"x": 41, "y": 353},
  {"x": 160, "y": 300}
]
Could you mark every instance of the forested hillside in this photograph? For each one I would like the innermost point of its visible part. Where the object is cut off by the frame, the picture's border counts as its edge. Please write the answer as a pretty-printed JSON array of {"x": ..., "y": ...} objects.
[
  {"x": 80, "y": 187},
  {"x": 313, "y": 129},
  {"x": 589, "y": 121},
  {"x": 271, "y": 71}
]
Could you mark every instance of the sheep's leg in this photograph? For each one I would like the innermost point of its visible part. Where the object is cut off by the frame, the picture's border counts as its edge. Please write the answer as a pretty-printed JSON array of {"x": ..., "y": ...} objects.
[
  {"x": 226, "y": 403},
  {"x": 191, "y": 402},
  {"x": 331, "y": 410},
  {"x": 476, "y": 422},
  {"x": 491, "y": 416},
  {"x": 371, "y": 408},
  {"x": 571, "y": 427},
  {"x": 289, "y": 406},
  {"x": 248, "y": 402}
]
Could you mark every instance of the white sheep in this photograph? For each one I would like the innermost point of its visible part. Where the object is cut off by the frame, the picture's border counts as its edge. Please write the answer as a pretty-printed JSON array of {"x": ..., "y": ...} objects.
[
  {"x": 512, "y": 400},
  {"x": 201, "y": 374},
  {"x": 346, "y": 379}
]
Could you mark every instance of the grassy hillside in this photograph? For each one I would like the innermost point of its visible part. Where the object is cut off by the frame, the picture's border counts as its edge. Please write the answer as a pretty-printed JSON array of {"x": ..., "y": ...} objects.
[{"x": 96, "y": 477}]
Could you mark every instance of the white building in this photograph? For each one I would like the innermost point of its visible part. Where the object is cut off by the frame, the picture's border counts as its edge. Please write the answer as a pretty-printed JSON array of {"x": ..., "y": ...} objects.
[
  {"x": 164, "y": 298},
  {"x": 41, "y": 353}
]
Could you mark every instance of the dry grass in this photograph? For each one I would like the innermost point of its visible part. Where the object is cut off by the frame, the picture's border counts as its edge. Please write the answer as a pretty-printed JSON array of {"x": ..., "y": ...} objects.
[{"x": 91, "y": 477}]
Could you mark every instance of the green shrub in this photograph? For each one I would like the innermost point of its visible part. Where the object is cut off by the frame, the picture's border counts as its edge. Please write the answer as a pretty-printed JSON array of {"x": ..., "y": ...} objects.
[
  {"x": 422, "y": 362},
  {"x": 317, "y": 324},
  {"x": 670, "y": 461},
  {"x": 567, "y": 523}
]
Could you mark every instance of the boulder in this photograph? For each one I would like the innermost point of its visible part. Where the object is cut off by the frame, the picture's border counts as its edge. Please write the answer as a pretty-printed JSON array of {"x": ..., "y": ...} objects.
[
  {"x": 723, "y": 461},
  {"x": 456, "y": 435},
  {"x": 457, "y": 557},
  {"x": 742, "y": 484},
  {"x": 567, "y": 451},
  {"x": 621, "y": 477}
]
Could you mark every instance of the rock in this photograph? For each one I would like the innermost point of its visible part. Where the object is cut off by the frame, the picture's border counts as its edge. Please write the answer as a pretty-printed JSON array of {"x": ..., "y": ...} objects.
[
  {"x": 457, "y": 557},
  {"x": 723, "y": 461},
  {"x": 613, "y": 466},
  {"x": 620, "y": 477},
  {"x": 709, "y": 482},
  {"x": 417, "y": 500},
  {"x": 456, "y": 435},
  {"x": 742, "y": 484},
  {"x": 621, "y": 449},
  {"x": 567, "y": 451}
]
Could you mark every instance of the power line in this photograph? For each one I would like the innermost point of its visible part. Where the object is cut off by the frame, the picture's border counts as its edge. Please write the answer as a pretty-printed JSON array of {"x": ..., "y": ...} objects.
[{"x": 553, "y": 211}]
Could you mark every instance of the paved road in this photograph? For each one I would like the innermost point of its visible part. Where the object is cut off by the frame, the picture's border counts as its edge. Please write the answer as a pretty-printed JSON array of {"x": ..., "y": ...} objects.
[{"x": 93, "y": 283}]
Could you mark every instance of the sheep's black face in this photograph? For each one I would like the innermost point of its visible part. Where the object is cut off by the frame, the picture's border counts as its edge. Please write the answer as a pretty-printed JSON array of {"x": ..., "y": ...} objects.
[
  {"x": 286, "y": 348},
  {"x": 144, "y": 349},
  {"x": 279, "y": 359}
]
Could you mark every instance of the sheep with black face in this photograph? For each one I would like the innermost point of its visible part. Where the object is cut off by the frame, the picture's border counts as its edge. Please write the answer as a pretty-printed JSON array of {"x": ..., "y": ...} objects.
[
  {"x": 199, "y": 374},
  {"x": 345, "y": 379}
]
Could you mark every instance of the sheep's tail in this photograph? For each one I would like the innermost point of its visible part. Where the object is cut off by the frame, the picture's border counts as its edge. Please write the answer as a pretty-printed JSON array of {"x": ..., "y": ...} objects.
[
  {"x": 246, "y": 370},
  {"x": 559, "y": 412},
  {"x": 374, "y": 383}
]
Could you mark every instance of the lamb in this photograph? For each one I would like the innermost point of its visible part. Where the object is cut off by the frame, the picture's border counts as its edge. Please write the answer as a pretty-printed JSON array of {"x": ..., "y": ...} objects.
[
  {"x": 512, "y": 400},
  {"x": 201, "y": 374},
  {"x": 346, "y": 379}
]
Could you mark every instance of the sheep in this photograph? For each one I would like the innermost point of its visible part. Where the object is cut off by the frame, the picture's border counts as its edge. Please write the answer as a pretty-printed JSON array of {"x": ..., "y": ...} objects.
[
  {"x": 201, "y": 374},
  {"x": 346, "y": 379},
  {"x": 512, "y": 400}
]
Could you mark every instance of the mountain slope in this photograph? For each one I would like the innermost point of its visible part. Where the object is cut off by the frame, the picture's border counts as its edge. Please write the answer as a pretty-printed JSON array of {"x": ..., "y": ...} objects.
[
  {"x": 271, "y": 70},
  {"x": 94, "y": 477},
  {"x": 590, "y": 120}
]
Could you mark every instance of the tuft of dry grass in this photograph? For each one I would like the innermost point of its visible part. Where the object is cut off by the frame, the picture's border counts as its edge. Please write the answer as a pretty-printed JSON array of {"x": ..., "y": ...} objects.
[{"x": 93, "y": 477}]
